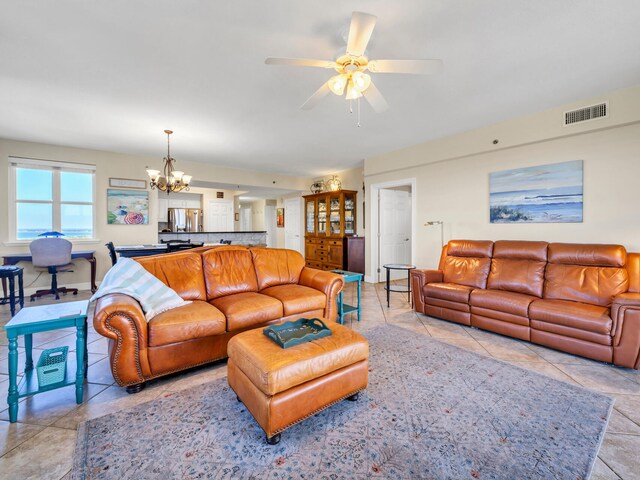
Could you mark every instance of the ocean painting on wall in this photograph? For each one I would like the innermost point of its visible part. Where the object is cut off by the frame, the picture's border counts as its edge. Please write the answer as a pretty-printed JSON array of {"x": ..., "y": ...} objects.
[{"x": 541, "y": 194}]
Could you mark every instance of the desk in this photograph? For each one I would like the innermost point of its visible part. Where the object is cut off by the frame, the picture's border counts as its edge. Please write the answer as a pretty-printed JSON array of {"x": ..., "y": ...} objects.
[
  {"x": 343, "y": 308},
  {"x": 44, "y": 318},
  {"x": 88, "y": 255}
]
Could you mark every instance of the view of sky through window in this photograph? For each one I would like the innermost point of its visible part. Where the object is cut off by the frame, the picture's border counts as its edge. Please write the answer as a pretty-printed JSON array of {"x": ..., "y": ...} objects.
[{"x": 36, "y": 203}]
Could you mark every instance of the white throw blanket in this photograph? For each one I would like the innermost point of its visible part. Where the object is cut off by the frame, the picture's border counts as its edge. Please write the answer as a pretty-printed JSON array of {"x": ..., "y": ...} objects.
[{"x": 130, "y": 278}]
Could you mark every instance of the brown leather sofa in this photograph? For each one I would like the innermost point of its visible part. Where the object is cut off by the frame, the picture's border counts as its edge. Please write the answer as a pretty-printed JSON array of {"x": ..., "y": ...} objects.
[
  {"x": 579, "y": 298},
  {"x": 231, "y": 289}
]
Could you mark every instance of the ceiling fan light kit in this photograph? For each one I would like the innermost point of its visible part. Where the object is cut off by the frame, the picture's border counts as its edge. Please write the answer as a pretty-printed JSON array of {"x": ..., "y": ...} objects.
[{"x": 352, "y": 66}]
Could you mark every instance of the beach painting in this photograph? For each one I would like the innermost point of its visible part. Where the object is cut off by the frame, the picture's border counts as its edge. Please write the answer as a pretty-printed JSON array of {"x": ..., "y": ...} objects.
[
  {"x": 127, "y": 207},
  {"x": 541, "y": 194}
]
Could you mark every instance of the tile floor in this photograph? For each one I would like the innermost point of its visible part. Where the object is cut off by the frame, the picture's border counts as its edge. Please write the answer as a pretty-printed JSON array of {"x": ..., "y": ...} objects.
[{"x": 47, "y": 422}]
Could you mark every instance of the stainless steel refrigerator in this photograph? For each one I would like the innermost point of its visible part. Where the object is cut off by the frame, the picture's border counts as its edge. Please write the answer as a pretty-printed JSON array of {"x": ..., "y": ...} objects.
[{"x": 185, "y": 220}]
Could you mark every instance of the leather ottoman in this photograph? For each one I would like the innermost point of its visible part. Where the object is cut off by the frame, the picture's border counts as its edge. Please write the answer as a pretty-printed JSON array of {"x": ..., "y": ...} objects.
[{"x": 281, "y": 387}]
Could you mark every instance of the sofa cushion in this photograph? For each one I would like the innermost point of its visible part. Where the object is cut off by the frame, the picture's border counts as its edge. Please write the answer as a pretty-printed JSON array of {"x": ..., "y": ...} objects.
[
  {"x": 247, "y": 309},
  {"x": 277, "y": 266},
  {"x": 228, "y": 271},
  {"x": 577, "y": 315},
  {"x": 181, "y": 272},
  {"x": 447, "y": 291},
  {"x": 518, "y": 266},
  {"x": 297, "y": 298},
  {"x": 520, "y": 250},
  {"x": 195, "y": 320},
  {"x": 595, "y": 255},
  {"x": 470, "y": 248},
  {"x": 502, "y": 301},
  {"x": 593, "y": 285},
  {"x": 468, "y": 271}
]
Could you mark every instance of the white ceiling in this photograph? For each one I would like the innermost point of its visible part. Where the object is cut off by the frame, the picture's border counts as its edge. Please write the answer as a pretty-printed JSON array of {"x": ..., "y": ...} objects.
[{"x": 112, "y": 75}]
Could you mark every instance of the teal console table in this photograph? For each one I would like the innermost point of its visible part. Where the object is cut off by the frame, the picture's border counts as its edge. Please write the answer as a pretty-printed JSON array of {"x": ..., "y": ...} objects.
[
  {"x": 343, "y": 308},
  {"x": 32, "y": 320}
]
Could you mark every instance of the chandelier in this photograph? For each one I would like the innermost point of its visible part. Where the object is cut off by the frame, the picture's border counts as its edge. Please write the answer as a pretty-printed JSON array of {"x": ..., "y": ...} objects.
[{"x": 172, "y": 180}]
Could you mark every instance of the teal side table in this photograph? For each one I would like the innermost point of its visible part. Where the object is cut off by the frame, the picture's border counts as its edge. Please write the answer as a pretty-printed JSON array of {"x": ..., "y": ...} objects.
[
  {"x": 32, "y": 320},
  {"x": 343, "y": 308}
]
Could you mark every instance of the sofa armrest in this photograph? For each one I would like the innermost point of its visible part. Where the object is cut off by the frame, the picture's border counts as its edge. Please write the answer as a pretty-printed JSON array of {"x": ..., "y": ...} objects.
[
  {"x": 625, "y": 313},
  {"x": 419, "y": 278},
  {"x": 121, "y": 319},
  {"x": 330, "y": 284}
]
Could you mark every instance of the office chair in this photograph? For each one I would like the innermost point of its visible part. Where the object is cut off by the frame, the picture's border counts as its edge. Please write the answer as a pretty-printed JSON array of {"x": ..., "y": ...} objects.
[{"x": 52, "y": 254}]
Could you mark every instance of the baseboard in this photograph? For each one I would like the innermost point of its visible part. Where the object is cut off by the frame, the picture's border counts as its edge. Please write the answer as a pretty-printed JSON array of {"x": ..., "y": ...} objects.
[{"x": 369, "y": 279}]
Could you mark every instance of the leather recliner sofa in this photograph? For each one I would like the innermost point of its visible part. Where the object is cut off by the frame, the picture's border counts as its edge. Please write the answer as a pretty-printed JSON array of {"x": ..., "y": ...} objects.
[
  {"x": 579, "y": 298},
  {"x": 231, "y": 289}
]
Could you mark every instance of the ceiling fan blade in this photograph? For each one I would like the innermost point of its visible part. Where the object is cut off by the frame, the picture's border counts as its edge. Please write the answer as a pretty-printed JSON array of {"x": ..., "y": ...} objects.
[
  {"x": 417, "y": 67},
  {"x": 300, "y": 62},
  {"x": 314, "y": 99},
  {"x": 362, "y": 25},
  {"x": 375, "y": 99}
]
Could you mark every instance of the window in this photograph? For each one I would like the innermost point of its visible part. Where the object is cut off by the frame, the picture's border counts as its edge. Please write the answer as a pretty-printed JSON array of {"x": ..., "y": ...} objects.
[{"x": 52, "y": 196}]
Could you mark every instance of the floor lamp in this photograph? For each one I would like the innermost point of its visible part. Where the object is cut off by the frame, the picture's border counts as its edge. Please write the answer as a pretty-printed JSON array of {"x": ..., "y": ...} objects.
[{"x": 437, "y": 222}]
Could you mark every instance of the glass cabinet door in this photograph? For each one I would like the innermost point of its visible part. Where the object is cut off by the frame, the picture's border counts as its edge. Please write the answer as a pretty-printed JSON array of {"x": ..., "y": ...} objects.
[
  {"x": 322, "y": 216},
  {"x": 349, "y": 214},
  {"x": 334, "y": 215},
  {"x": 310, "y": 216}
]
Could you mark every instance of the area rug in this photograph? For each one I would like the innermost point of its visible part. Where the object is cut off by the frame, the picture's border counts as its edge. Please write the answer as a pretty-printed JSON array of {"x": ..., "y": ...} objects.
[{"x": 431, "y": 411}]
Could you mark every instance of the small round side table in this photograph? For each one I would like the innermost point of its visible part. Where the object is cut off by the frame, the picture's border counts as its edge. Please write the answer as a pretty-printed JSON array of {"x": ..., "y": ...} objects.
[
  {"x": 399, "y": 288},
  {"x": 10, "y": 272}
]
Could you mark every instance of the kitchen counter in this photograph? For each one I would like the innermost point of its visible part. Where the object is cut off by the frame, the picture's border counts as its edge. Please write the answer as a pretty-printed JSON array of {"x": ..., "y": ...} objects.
[{"x": 253, "y": 238}]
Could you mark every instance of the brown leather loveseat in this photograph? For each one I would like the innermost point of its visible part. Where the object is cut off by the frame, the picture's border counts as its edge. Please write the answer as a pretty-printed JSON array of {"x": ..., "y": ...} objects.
[
  {"x": 231, "y": 289},
  {"x": 579, "y": 298}
]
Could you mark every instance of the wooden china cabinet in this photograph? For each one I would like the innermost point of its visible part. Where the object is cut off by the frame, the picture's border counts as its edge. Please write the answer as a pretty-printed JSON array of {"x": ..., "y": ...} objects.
[{"x": 329, "y": 218}]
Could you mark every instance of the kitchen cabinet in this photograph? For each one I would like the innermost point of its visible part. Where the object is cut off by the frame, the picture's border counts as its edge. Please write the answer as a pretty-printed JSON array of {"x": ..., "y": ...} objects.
[{"x": 163, "y": 208}]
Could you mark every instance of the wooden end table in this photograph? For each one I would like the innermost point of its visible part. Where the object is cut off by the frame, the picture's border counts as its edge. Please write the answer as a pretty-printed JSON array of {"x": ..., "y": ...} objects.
[{"x": 32, "y": 320}]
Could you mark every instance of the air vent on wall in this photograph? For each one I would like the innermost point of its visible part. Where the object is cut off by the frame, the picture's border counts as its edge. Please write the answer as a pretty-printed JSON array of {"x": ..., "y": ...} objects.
[{"x": 585, "y": 114}]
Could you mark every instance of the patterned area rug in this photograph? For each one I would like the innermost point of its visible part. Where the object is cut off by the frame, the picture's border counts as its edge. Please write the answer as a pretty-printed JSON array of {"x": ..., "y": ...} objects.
[{"x": 431, "y": 411}]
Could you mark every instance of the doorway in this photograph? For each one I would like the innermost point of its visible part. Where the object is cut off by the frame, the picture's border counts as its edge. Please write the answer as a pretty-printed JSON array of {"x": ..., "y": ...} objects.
[
  {"x": 246, "y": 218},
  {"x": 220, "y": 216},
  {"x": 393, "y": 224},
  {"x": 270, "y": 225},
  {"x": 292, "y": 224}
]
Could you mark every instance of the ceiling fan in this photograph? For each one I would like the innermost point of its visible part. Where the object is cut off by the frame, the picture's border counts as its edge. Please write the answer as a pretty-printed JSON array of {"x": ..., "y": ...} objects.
[{"x": 351, "y": 67}]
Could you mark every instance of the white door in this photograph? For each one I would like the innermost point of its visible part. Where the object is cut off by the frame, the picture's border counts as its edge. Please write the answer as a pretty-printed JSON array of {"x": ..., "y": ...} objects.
[
  {"x": 246, "y": 219},
  {"x": 292, "y": 225},
  {"x": 394, "y": 209},
  {"x": 220, "y": 216},
  {"x": 270, "y": 224}
]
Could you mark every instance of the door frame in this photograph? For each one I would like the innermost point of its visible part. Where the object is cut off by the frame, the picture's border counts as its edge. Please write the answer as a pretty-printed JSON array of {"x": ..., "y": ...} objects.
[{"x": 374, "y": 221}]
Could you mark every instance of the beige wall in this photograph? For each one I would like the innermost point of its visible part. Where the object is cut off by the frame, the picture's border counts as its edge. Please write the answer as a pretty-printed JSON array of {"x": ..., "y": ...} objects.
[
  {"x": 109, "y": 164},
  {"x": 453, "y": 185}
]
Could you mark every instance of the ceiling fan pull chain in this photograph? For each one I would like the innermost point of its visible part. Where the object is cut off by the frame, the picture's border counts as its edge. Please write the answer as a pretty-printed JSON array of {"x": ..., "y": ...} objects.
[
  {"x": 358, "y": 100},
  {"x": 350, "y": 106}
]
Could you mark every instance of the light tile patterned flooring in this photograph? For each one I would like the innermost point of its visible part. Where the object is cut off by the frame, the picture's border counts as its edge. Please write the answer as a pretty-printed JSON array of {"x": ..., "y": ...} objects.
[{"x": 40, "y": 445}]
